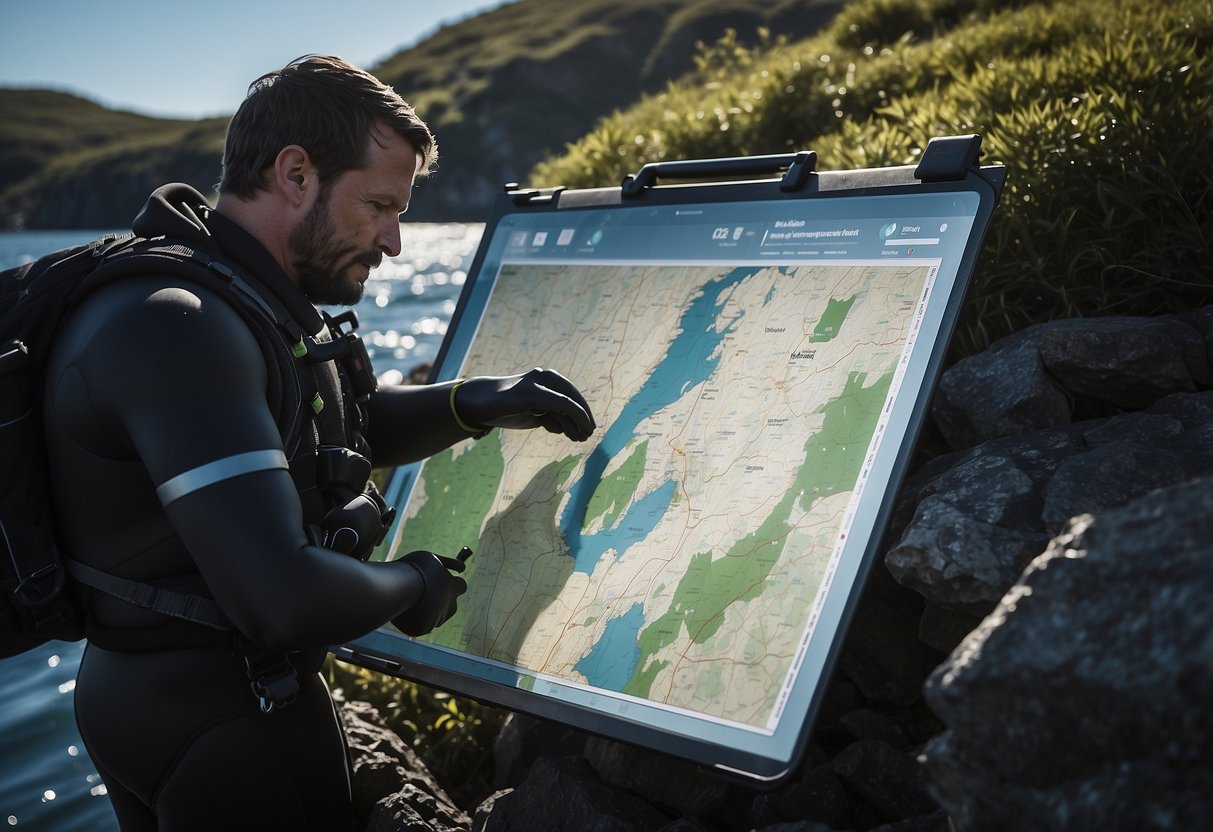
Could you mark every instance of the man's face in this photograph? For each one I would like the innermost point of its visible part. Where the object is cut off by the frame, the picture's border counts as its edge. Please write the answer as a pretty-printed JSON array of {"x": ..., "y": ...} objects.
[{"x": 353, "y": 222}]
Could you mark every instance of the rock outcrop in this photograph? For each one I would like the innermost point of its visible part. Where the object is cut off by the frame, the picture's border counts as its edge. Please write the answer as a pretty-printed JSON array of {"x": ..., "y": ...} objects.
[{"x": 1081, "y": 701}]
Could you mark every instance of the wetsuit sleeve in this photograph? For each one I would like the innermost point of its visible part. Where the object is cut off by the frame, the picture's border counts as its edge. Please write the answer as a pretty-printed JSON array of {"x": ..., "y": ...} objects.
[
  {"x": 176, "y": 376},
  {"x": 411, "y": 423}
]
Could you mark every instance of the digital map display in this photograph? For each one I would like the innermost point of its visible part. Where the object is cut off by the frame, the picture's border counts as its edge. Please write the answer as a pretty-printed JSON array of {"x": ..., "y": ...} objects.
[{"x": 678, "y": 558}]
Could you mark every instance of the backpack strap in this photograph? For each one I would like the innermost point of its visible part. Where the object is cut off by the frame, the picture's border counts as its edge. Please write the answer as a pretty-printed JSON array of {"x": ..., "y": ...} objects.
[
  {"x": 193, "y": 608},
  {"x": 269, "y": 321}
]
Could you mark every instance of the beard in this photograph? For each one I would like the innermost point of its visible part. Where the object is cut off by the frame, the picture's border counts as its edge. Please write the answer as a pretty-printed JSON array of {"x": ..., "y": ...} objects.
[{"x": 322, "y": 264}]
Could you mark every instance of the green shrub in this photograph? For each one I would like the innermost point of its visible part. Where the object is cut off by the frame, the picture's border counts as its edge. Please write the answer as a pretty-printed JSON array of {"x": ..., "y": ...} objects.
[{"x": 1101, "y": 110}]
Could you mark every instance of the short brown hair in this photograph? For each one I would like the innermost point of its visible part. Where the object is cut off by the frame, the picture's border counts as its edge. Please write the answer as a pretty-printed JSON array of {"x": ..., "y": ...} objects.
[{"x": 326, "y": 106}]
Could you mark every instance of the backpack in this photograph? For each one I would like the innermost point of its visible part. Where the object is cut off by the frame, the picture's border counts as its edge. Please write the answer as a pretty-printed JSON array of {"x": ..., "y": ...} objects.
[{"x": 36, "y": 601}]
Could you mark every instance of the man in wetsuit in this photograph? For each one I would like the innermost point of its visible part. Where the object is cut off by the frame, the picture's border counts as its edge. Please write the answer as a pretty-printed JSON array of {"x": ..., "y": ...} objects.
[{"x": 169, "y": 466}]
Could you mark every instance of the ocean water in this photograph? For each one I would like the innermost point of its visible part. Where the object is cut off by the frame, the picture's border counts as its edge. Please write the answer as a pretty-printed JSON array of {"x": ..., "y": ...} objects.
[{"x": 47, "y": 781}]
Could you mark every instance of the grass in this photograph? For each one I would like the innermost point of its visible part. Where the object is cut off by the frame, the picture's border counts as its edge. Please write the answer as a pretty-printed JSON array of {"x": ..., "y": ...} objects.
[{"x": 1101, "y": 110}]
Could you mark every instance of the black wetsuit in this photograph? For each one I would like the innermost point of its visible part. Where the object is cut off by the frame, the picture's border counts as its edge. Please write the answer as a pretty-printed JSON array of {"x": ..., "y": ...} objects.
[{"x": 154, "y": 378}]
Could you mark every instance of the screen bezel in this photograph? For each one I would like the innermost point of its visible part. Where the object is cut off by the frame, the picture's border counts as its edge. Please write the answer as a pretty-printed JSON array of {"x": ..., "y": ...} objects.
[{"x": 470, "y": 677}]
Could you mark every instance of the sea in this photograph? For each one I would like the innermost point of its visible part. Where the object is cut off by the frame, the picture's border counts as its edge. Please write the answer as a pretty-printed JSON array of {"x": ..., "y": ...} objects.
[{"x": 47, "y": 781}]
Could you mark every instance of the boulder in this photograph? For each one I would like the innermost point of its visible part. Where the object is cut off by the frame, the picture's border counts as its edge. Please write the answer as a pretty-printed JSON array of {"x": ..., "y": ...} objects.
[
  {"x": 1081, "y": 702},
  {"x": 978, "y": 523},
  {"x": 1128, "y": 362},
  {"x": 885, "y": 778},
  {"x": 393, "y": 790},
  {"x": 677, "y": 787},
  {"x": 1039, "y": 377},
  {"x": 566, "y": 793},
  {"x": 1003, "y": 391}
]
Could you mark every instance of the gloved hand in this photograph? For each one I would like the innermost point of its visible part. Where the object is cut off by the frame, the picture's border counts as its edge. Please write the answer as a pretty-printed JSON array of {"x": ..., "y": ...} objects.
[
  {"x": 354, "y": 528},
  {"x": 442, "y": 590},
  {"x": 536, "y": 398}
]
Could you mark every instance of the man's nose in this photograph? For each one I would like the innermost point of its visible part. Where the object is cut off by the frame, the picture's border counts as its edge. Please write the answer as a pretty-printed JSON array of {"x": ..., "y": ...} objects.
[{"x": 389, "y": 238}]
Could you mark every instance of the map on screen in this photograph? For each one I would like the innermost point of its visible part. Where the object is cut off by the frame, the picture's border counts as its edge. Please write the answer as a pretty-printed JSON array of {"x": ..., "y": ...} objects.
[{"x": 678, "y": 555}]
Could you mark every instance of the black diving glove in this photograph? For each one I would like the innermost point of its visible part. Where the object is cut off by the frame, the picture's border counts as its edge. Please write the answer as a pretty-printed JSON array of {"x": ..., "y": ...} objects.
[
  {"x": 442, "y": 591},
  {"x": 536, "y": 398}
]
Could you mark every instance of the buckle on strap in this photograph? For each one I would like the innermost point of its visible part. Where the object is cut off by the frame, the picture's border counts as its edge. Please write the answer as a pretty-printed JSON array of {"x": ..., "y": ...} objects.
[{"x": 273, "y": 680}]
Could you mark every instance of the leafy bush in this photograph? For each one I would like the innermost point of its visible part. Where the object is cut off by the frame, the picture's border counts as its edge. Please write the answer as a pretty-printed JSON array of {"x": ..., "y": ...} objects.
[{"x": 1101, "y": 110}]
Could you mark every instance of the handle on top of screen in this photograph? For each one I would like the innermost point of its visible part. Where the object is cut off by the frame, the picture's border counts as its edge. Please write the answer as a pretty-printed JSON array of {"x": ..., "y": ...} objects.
[{"x": 796, "y": 168}]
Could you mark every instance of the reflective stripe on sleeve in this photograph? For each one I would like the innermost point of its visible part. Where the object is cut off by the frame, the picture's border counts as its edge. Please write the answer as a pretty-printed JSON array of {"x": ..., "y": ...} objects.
[{"x": 236, "y": 465}]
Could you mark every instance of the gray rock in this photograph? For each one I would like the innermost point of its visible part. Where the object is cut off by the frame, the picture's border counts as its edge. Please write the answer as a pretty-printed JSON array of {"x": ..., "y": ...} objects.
[
  {"x": 565, "y": 793},
  {"x": 934, "y": 822},
  {"x": 1112, "y": 474},
  {"x": 384, "y": 766},
  {"x": 818, "y": 796},
  {"x": 973, "y": 533},
  {"x": 524, "y": 739},
  {"x": 688, "y": 824},
  {"x": 882, "y": 654},
  {"x": 1081, "y": 702},
  {"x": 1131, "y": 455},
  {"x": 976, "y": 525},
  {"x": 415, "y": 810},
  {"x": 1201, "y": 320},
  {"x": 942, "y": 628},
  {"x": 1030, "y": 380},
  {"x": 481, "y": 816},
  {"x": 866, "y": 724},
  {"x": 677, "y": 787},
  {"x": 885, "y": 778},
  {"x": 1129, "y": 362},
  {"x": 1003, "y": 391},
  {"x": 1192, "y": 411},
  {"x": 1132, "y": 427}
]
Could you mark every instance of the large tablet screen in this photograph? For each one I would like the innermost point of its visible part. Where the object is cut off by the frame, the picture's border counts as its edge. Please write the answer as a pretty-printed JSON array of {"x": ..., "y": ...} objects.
[{"x": 756, "y": 369}]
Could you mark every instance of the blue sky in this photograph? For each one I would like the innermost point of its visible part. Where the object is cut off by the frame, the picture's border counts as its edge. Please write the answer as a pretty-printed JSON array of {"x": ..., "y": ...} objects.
[{"x": 194, "y": 59}]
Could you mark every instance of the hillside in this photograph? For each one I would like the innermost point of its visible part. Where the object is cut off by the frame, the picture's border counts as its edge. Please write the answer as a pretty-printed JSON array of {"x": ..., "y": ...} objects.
[
  {"x": 502, "y": 90},
  {"x": 66, "y": 162},
  {"x": 1102, "y": 111},
  {"x": 509, "y": 87}
]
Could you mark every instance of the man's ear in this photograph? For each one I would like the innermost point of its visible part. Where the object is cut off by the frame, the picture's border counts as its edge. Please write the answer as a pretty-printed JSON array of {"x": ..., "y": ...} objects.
[{"x": 295, "y": 175}]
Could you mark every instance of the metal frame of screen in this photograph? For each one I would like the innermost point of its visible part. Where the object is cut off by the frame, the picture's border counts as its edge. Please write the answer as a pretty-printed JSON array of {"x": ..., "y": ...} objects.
[{"x": 758, "y": 757}]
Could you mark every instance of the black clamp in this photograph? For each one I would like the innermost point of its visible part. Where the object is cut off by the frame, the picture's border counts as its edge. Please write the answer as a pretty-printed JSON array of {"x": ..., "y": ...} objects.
[{"x": 948, "y": 158}]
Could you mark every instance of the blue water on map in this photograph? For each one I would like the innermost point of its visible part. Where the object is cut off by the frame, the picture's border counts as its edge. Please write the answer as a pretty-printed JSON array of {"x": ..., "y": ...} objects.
[
  {"x": 612, "y": 660},
  {"x": 687, "y": 362},
  {"x": 47, "y": 781}
]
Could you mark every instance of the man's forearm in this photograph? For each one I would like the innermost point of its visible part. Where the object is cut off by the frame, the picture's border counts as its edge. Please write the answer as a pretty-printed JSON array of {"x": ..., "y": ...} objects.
[{"x": 410, "y": 423}]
